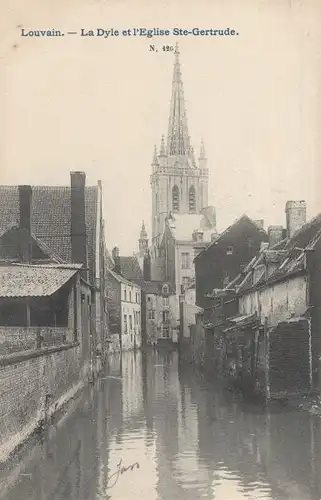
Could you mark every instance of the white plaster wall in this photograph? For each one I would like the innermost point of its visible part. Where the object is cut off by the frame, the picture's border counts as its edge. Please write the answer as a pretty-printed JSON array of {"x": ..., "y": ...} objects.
[
  {"x": 130, "y": 308},
  {"x": 278, "y": 302}
]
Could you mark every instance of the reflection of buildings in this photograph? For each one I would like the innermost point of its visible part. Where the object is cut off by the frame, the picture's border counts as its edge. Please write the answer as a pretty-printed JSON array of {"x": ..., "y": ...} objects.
[
  {"x": 274, "y": 451},
  {"x": 192, "y": 441}
]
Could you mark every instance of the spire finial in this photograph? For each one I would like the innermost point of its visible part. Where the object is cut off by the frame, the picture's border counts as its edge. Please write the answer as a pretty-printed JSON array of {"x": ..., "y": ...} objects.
[
  {"x": 155, "y": 159},
  {"x": 202, "y": 150},
  {"x": 162, "y": 151}
]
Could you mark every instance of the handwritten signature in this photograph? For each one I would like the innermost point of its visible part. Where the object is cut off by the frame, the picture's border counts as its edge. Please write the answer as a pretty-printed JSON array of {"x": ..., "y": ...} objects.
[{"x": 120, "y": 470}]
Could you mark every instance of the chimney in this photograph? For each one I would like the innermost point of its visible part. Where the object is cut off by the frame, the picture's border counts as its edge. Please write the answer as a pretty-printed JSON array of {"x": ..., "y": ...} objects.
[
  {"x": 276, "y": 234},
  {"x": 78, "y": 221},
  {"x": 25, "y": 206},
  {"x": 296, "y": 215},
  {"x": 147, "y": 267},
  {"x": 260, "y": 223},
  {"x": 116, "y": 259}
]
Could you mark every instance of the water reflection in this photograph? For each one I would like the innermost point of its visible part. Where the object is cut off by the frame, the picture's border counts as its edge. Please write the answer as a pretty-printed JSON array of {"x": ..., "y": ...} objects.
[{"x": 192, "y": 440}]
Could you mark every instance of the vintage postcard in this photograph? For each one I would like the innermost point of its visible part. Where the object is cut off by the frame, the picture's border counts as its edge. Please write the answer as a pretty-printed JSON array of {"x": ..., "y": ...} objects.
[{"x": 160, "y": 250}]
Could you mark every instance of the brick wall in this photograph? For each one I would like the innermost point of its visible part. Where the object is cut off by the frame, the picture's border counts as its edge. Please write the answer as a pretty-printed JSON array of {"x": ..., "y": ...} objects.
[
  {"x": 289, "y": 357},
  {"x": 32, "y": 389},
  {"x": 15, "y": 339}
]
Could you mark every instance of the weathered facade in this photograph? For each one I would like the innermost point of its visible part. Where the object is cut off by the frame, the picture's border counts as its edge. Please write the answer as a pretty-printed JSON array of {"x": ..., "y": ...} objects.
[
  {"x": 160, "y": 302},
  {"x": 63, "y": 225},
  {"x": 50, "y": 325},
  {"x": 224, "y": 258},
  {"x": 262, "y": 329},
  {"x": 124, "y": 305}
]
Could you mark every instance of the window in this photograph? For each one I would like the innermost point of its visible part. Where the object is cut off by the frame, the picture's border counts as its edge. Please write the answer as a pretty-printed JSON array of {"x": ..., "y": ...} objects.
[
  {"x": 185, "y": 282},
  {"x": 166, "y": 332},
  {"x": 130, "y": 323},
  {"x": 175, "y": 199},
  {"x": 151, "y": 314},
  {"x": 125, "y": 324},
  {"x": 165, "y": 316},
  {"x": 130, "y": 296},
  {"x": 165, "y": 301},
  {"x": 148, "y": 299},
  {"x": 192, "y": 199},
  {"x": 125, "y": 295},
  {"x": 185, "y": 260},
  {"x": 229, "y": 251},
  {"x": 250, "y": 243}
]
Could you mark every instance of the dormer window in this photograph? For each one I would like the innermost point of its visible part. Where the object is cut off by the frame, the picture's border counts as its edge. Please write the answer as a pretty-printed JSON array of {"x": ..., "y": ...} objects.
[{"x": 229, "y": 250}]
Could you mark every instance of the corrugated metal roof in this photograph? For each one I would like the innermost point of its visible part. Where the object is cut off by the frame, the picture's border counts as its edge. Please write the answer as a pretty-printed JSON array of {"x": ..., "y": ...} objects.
[{"x": 33, "y": 281}]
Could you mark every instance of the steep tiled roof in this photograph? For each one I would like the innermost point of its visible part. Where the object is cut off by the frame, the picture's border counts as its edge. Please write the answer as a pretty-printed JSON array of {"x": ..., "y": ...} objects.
[
  {"x": 33, "y": 281},
  {"x": 130, "y": 268},
  {"x": 156, "y": 287},
  {"x": 51, "y": 217},
  {"x": 121, "y": 279},
  {"x": 289, "y": 255},
  {"x": 228, "y": 229}
]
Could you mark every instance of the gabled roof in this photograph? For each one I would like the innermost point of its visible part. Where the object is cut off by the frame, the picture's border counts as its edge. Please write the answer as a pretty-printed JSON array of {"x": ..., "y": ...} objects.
[
  {"x": 33, "y": 281},
  {"x": 121, "y": 279},
  {"x": 51, "y": 218},
  {"x": 288, "y": 256},
  {"x": 130, "y": 267},
  {"x": 221, "y": 236}
]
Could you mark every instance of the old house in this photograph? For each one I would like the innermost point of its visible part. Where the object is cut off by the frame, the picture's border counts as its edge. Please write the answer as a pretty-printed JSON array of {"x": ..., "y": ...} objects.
[
  {"x": 43, "y": 305},
  {"x": 47, "y": 306},
  {"x": 272, "y": 342},
  {"x": 62, "y": 224},
  {"x": 221, "y": 261},
  {"x": 124, "y": 307},
  {"x": 185, "y": 235}
]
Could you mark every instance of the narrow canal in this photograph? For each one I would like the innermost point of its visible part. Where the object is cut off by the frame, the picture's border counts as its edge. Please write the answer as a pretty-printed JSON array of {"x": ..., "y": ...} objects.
[{"x": 151, "y": 429}]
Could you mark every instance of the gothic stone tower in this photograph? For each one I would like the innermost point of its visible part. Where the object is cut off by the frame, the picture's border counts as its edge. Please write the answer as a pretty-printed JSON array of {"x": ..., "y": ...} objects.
[{"x": 178, "y": 183}]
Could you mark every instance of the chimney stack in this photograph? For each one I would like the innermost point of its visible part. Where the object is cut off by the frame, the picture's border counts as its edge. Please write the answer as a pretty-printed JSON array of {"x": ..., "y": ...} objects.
[
  {"x": 260, "y": 223},
  {"x": 25, "y": 207},
  {"x": 116, "y": 259},
  {"x": 296, "y": 215},
  {"x": 276, "y": 234},
  {"x": 78, "y": 221},
  {"x": 147, "y": 266}
]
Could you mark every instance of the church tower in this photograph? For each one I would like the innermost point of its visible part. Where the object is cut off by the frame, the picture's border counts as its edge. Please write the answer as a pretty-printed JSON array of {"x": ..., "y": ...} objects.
[
  {"x": 143, "y": 239},
  {"x": 179, "y": 183}
]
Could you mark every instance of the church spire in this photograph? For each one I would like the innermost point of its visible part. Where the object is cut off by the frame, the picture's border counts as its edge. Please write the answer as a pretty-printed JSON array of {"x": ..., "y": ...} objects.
[
  {"x": 143, "y": 238},
  {"x": 178, "y": 141},
  {"x": 202, "y": 151},
  {"x": 155, "y": 159},
  {"x": 162, "y": 150}
]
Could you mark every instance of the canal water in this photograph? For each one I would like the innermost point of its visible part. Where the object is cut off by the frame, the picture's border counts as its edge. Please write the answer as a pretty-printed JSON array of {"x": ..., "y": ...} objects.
[{"x": 152, "y": 429}]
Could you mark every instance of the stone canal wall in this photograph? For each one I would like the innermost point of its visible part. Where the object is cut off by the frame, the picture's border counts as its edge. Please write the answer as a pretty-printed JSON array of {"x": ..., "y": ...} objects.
[{"x": 33, "y": 385}]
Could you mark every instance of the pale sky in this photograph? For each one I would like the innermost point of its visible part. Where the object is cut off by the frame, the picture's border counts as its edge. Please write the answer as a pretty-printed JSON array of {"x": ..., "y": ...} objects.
[{"x": 100, "y": 105}]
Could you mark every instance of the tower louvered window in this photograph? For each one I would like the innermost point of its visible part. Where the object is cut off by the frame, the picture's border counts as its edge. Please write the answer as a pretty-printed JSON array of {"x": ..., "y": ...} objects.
[
  {"x": 192, "y": 199},
  {"x": 175, "y": 199}
]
